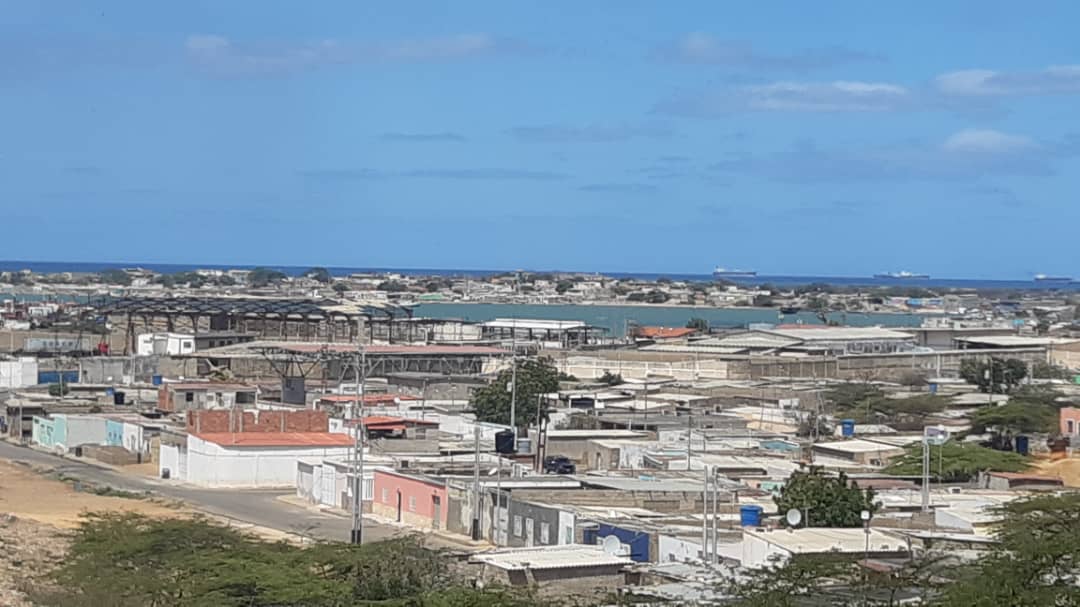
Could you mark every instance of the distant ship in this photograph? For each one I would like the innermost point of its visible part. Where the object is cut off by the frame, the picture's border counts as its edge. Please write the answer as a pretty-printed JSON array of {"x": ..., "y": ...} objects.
[
  {"x": 719, "y": 272},
  {"x": 902, "y": 275},
  {"x": 1045, "y": 278}
]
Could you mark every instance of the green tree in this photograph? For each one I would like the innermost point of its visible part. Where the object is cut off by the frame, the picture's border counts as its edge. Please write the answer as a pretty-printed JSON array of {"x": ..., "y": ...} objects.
[
  {"x": 340, "y": 287},
  {"x": 563, "y": 286},
  {"x": 611, "y": 379},
  {"x": 535, "y": 376},
  {"x": 1036, "y": 561},
  {"x": 320, "y": 274},
  {"x": 957, "y": 462},
  {"x": 852, "y": 394},
  {"x": 1045, "y": 370},
  {"x": 392, "y": 286},
  {"x": 826, "y": 501},
  {"x": 762, "y": 301},
  {"x": 115, "y": 276},
  {"x": 263, "y": 277},
  {"x": 699, "y": 324},
  {"x": 994, "y": 375},
  {"x": 1016, "y": 417}
]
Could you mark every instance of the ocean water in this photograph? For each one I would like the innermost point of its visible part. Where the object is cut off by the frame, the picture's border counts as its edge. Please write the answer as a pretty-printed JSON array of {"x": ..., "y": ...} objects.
[
  {"x": 616, "y": 318},
  {"x": 778, "y": 280}
]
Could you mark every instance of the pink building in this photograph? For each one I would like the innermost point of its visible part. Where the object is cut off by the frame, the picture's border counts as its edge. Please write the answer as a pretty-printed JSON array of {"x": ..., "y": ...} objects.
[
  {"x": 1070, "y": 421},
  {"x": 415, "y": 500}
]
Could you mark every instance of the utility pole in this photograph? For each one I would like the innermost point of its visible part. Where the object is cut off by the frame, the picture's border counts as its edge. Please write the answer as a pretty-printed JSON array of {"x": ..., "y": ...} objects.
[
  {"x": 705, "y": 517},
  {"x": 689, "y": 438},
  {"x": 513, "y": 381},
  {"x": 476, "y": 483},
  {"x": 358, "y": 450}
]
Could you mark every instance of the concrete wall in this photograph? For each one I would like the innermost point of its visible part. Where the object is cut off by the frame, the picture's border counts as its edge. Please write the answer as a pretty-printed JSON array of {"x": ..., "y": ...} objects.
[
  {"x": 133, "y": 438},
  {"x": 81, "y": 430},
  {"x": 114, "y": 433},
  {"x": 636, "y": 365},
  {"x": 213, "y": 465},
  {"x": 18, "y": 373},
  {"x": 44, "y": 432},
  {"x": 414, "y": 501},
  {"x": 672, "y": 549},
  {"x": 527, "y": 524}
]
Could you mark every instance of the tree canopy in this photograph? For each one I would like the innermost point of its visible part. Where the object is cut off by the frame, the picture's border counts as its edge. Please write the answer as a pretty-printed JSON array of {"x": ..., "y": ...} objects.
[
  {"x": 826, "y": 501},
  {"x": 699, "y": 324},
  {"x": 262, "y": 277},
  {"x": 114, "y": 276},
  {"x": 994, "y": 375},
  {"x": 957, "y": 462},
  {"x": 535, "y": 376},
  {"x": 1017, "y": 417},
  {"x": 320, "y": 274}
]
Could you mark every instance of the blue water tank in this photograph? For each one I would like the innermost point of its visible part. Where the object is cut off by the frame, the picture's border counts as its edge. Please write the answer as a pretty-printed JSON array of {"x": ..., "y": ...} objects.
[
  {"x": 847, "y": 427},
  {"x": 1022, "y": 445},
  {"x": 109, "y": 391},
  {"x": 933, "y": 388},
  {"x": 155, "y": 379},
  {"x": 750, "y": 516}
]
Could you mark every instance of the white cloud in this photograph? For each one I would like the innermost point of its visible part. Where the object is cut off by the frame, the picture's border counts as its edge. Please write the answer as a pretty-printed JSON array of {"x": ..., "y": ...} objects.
[
  {"x": 698, "y": 47},
  {"x": 224, "y": 57},
  {"x": 986, "y": 141},
  {"x": 838, "y": 96},
  {"x": 1054, "y": 80}
]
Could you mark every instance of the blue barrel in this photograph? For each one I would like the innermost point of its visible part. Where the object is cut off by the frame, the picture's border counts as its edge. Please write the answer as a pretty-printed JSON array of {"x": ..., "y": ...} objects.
[
  {"x": 1022, "y": 445},
  {"x": 933, "y": 388},
  {"x": 155, "y": 379},
  {"x": 750, "y": 516},
  {"x": 109, "y": 391},
  {"x": 847, "y": 427}
]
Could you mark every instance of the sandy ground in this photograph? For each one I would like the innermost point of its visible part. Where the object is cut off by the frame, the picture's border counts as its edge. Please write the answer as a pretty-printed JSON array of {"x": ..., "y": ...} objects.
[
  {"x": 27, "y": 494},
  {"x": 1068, "y": 470}
]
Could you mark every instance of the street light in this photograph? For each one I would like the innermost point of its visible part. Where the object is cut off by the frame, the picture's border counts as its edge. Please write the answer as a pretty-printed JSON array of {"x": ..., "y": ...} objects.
[{"x": 865, "y": 516}]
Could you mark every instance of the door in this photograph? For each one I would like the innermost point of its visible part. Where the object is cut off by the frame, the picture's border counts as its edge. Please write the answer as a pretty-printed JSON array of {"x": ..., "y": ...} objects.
[
  {"x": 529, "y": 532},
  {"x": 436, "y": 514},
  {"x": 399, "y": 506}
]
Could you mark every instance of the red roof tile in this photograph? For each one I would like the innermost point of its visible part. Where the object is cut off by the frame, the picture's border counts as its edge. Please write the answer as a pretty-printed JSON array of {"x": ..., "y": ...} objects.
[
  {"x": 664, "y": 332},
  {"x": 277, "y": 439}
]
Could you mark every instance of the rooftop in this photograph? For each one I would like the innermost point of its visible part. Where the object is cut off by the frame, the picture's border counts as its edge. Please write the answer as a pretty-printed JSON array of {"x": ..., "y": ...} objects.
[
  {"x": 588, "y": 434},
  {"x": 534, "y": 324},
  {"x": 821, "y": 539},
  {"x": 550, "y": 557},
  {"x": 856, "y": 446},
  {"x": 823, "y": 333}
]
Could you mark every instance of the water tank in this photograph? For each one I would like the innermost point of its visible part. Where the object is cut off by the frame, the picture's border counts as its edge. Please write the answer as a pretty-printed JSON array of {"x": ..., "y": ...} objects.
[
  {"x": 750, "y": 516},
  {"x": 118, "y": 398},
  {"x": 504, "y": 441},
  {"x": 1022, "y": 445},
  {"x": 933, "y": 388},
  {"x": 155, "y": 379},
  {"x": 847, "y": 427}
]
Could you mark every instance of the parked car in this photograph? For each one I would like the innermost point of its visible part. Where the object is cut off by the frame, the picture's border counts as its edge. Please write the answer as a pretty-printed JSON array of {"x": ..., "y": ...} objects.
[{"x": 559, "y": 464}]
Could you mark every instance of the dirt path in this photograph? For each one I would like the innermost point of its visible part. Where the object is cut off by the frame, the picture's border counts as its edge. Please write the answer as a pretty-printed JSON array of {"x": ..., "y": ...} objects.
[{"x": 1068, "y": 470}]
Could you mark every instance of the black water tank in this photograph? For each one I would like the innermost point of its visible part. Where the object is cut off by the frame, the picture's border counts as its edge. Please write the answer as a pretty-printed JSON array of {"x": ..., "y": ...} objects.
[
  {"x": 118, "y": 398},
  {"x": 504, "y": 442}
]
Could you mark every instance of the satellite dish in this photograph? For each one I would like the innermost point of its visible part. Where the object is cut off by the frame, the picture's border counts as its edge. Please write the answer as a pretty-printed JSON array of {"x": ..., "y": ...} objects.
[
  {"x": 793, "y": 517},
  {"x": 612, "y": 545}
]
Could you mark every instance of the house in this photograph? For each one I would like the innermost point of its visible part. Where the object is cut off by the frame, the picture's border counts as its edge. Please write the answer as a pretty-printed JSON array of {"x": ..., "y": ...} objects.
[
  {"x": 62, "y": 432},
  {"x": 19, "y": 372},
  {"x": 419, "y": 501},
  {"x": 184, "y": 396},
  {"x": 250, "y": 459},
  {"x": 580, "y": 445},
  {"x": 762, "y": 547},
  {"x": 1069, "y": 418},
  {"x": 530, "y": 523},
  {"x": 864, "y": 452},
  {"x": 384, "y": 426},
  {"x": 164, "y": 344},
  {"x": 588, "y": 566},
  {"x": 327, "y": 483}
]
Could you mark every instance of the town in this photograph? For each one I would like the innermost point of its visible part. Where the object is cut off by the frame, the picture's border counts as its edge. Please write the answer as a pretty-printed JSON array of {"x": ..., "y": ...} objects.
[{"x": 674, "y": 464}]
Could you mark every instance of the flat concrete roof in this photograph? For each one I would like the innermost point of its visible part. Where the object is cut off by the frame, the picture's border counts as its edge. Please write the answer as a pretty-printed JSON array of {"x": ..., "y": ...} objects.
[
  {"x": 821, "y": 539},
  {"x": 550, "y": 557},
  {"x": 590, "y": 434},
  {"x": 856, "y": 446}
]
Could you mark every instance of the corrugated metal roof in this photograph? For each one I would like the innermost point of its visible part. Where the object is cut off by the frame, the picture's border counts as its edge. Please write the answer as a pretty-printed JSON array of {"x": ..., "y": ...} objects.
[
  {"x": 550, "y": 557},
  {"x": 277, "y": 439}
]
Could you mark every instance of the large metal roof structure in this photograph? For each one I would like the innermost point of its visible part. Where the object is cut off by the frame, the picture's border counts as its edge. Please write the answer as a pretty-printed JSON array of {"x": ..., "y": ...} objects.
[{"x": 247, "y": 306}]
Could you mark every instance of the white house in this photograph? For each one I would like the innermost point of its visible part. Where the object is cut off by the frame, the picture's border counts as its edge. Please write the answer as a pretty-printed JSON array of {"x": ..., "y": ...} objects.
[
  {"x": 164, "y": 344},
  {"x": 248, "y": 459},
  {"x": 18, "y": 373},
  {"x": 762, "y": 547},
  {"x": 325, "y": 482}
]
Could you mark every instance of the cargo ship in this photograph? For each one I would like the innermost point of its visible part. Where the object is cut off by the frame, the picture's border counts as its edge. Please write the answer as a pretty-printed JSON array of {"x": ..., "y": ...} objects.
[
  {"x": 904, "y": 275},
  {"x": 1045, "y": 278},
  {"x": 719, "y": 272}
]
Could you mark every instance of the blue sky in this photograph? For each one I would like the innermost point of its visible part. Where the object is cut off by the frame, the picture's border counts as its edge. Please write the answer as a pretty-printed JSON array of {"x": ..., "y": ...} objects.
[{"x": 790, "y": 137}]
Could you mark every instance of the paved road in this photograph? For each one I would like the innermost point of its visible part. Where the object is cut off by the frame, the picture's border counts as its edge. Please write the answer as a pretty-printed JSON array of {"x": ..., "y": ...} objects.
[{"x": 257, "y": 507}]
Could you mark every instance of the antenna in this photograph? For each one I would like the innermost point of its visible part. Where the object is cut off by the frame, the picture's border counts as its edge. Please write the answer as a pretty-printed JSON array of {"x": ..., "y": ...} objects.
[
  {"x": 793, "y": 517},
  {"x": 612, "y": 546}
]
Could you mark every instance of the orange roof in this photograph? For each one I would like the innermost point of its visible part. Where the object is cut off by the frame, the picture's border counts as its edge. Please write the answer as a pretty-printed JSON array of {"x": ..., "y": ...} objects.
[
  {"x": 387, "y": 420},
  {"x": 277, "y": 439},
  {"x": 664, "y": 332},
  {"x": 368, "y": 398}
]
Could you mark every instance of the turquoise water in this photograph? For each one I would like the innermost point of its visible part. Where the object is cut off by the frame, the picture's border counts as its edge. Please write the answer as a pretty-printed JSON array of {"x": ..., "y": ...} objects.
[{"x": 616, "y": 318}]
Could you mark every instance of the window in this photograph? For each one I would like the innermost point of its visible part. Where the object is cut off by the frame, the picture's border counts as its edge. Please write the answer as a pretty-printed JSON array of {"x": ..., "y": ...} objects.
[
  {"x": 568, "y": 535},
  {"x": 1071, "y": 424},
  {"x": 517, "y": 526},
  {"x": 545, "y": 533},
  {"x": 189, "y": 397},
  {"x": 412, "y": 503},
  {"x": 385, "y": 495}
]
